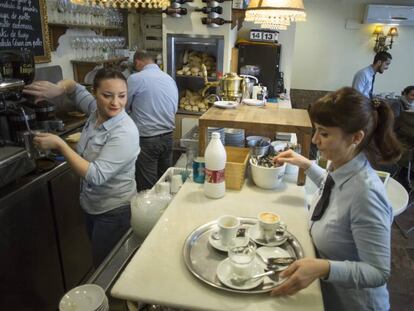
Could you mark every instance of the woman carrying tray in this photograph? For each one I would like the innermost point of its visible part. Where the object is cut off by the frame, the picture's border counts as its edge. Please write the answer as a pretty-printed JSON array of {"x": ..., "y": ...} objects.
[{"x": 350, "y": 224}]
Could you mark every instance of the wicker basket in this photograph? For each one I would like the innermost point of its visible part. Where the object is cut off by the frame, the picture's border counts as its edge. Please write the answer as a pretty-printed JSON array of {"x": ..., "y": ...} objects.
[{"x": 237, "y": 159}]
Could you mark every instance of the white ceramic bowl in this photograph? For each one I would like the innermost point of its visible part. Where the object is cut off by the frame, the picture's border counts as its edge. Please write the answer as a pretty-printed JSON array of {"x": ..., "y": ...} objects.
[
  {"x": 267, "y": 177},
  {"x": 84, "y": 297}
]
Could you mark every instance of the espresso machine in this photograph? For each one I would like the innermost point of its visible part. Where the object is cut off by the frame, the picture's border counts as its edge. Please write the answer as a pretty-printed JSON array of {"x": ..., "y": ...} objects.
[{"x": 19, "y": 116}]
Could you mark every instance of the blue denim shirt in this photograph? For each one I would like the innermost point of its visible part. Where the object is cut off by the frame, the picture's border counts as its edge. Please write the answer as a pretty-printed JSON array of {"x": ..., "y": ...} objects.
[
  {"x": 362, "y": 81},
  {"x": 354, "y": 234},
  {"x": 152, "y": 100},
  {"x": 111, "y": 148}
]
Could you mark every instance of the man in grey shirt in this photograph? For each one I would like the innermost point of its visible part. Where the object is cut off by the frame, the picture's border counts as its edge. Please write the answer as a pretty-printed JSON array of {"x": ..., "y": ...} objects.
[{"x": 153, "y": 103}]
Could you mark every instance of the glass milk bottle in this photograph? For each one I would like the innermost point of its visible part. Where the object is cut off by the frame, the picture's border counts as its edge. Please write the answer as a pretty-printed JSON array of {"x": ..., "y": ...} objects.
[{"x": 215, "y": 161}]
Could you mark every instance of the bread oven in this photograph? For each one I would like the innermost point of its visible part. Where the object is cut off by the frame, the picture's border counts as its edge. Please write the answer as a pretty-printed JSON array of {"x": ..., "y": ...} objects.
[{"x": 185, "y": 55}]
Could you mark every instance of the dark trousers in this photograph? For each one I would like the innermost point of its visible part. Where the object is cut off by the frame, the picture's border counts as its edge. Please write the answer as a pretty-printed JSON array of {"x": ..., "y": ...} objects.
[
  {"x": 153, "y": 160},
  {"x": 105, "y": 230}
]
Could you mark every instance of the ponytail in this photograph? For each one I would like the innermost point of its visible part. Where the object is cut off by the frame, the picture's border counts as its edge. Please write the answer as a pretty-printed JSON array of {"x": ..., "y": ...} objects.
[
  {"x": 349, "y": 110},
  {"x": 383, "y": 146}
]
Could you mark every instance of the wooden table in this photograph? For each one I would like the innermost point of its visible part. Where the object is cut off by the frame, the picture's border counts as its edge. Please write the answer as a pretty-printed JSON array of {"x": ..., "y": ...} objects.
[{"x": 260, "y": 120}]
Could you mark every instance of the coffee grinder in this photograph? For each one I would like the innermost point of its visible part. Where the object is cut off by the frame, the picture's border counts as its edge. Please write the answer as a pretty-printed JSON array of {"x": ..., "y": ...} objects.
[{"x": 16, "y": 70}]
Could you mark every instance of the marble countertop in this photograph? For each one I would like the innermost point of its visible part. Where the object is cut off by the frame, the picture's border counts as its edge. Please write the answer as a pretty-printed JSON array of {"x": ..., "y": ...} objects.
[{"x": 157, "y": 272}]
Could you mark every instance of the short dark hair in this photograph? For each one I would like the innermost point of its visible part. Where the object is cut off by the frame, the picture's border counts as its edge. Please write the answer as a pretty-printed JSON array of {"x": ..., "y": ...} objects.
[
  {"x": 407, "y": 90},
  {"x": 143, "y": 55},
  {"x": 105, "y": 74},
  {"x": 351, "y": 112},
  {"x": 382, "y": 56}
]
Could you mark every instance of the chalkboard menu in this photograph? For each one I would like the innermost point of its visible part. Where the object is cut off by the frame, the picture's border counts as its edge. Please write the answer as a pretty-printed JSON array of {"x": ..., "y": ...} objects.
[{"x": 23, "y": 26}]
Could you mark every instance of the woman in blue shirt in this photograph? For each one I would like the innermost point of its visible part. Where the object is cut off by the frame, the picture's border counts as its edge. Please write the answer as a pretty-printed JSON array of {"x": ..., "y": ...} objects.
[
  {"x": 350, "y": 224},
  {"x": 105, "y": 157}
]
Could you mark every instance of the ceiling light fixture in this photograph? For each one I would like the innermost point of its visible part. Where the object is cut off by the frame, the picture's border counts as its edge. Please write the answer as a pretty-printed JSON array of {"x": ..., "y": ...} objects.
[
  {"x": 129, "y": 4},
  {"x": 275, "y": 14}
]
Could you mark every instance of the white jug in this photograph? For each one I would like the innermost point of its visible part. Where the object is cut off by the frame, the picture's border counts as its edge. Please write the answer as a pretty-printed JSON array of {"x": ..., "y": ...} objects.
[{"x": 146, "y": 208}]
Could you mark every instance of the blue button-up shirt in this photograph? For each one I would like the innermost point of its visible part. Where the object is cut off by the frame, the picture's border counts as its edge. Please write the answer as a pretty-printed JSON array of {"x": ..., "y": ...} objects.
[
  {"x": 354, "y": 235},
  {"x": 152, "y": 100},
  {"x": 111, "y": 148},
  {"x": 362, "y": 81}
]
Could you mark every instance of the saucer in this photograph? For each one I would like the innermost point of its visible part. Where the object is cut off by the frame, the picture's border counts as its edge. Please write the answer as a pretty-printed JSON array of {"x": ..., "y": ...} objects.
[
  {"x": 266, "y": 252},
  {"x": 256, "y": 235},
  {"x": 225, "y": 275},
  {"x": 84, "y": 297},
  {"x": 217, "y": 243},
  {"x": 225, "y": 104},
  {"x": 253, "y": 102}
]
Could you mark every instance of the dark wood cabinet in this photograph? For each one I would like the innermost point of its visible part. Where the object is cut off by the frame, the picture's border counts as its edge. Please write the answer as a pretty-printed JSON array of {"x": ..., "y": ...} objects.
[
  {"x": 74, "y": 244},
  {"x": 30, "y": 270},
  {"x": 44, "y": 247}
]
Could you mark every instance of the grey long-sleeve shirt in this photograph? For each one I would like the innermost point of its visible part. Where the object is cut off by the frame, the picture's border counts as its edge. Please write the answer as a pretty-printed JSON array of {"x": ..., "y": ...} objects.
[
  {"x": 111, "y": 148},
  {"x": 153, "y": 101},
  {"x": 354, "y": 235}
]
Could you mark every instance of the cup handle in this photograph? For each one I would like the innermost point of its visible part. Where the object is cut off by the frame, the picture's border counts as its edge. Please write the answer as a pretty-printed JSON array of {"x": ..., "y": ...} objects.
[{"x": 281, "y": 228}]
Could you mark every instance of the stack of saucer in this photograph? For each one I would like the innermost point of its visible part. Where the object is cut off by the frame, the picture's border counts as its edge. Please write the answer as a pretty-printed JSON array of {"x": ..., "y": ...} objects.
[
  {"x": 88, "y": 297},
  {"x": 234, "y": 137},
  {"x": 216, "y": 129}
]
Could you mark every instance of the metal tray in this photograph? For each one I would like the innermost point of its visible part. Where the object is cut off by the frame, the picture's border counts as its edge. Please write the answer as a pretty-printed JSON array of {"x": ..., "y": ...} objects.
[{"x": 202, "y": 259}]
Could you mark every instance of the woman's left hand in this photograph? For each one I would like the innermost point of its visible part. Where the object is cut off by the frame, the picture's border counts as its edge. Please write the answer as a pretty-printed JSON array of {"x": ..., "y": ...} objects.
[
  {"x": 47, "y": 141},
  {"x": 300, "y": 275}
]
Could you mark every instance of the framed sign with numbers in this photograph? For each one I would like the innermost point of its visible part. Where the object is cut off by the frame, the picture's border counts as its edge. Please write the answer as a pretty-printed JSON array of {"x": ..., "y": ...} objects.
[{"x": 264, "y": 35}]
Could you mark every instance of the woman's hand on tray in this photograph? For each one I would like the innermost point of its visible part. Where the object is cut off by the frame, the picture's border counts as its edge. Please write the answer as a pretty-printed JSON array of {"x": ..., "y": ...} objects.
[
  {"x": 291, "y": 157},
  {"x": 301, "y": 274}
]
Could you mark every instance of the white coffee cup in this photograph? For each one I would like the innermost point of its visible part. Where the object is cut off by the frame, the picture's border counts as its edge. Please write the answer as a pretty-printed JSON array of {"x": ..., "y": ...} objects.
[
  {"x": 241, "y": 253},
  {"x": 176, "y": 183},
  {"x": 269, "y": 222},
  {"x": 228, "y": 226}
]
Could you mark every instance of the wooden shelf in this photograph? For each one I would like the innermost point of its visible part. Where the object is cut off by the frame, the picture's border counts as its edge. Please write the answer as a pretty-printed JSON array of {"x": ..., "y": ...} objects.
[
  {"x": 195, "y": 77},
  {"x": 82, "y": 67},
  {"x": 57, "y": 29},
  {"x": 85, "y": 26},
  {"x": 187, "y": 112},
  {"x": 100, "y": 61}
]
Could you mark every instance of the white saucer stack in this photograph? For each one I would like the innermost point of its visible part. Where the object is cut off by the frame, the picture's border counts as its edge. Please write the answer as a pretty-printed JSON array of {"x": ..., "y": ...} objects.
[
  {"x": 234, "y": 137},
  {"x": 88, "y": 297}
]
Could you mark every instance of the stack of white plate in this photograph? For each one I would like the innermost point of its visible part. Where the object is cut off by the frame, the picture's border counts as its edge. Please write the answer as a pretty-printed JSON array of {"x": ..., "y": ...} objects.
[
  {"x": 88, "y": 297},
  {"x": 234, "y": 137},
  {"x": 219, "y": 130}
]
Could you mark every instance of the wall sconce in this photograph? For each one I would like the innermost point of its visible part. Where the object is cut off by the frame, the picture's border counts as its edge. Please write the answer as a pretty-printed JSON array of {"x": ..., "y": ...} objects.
[{"x": 381, "y": 39}]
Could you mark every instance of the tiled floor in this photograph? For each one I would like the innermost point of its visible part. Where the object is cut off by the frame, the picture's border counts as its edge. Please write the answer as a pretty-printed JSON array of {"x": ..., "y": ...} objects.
[{"x": 401, "y": 282}]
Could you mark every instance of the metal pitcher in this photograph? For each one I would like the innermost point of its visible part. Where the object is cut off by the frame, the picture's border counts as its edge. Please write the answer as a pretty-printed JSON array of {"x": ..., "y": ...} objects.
[{"x": 248, "y": 83}]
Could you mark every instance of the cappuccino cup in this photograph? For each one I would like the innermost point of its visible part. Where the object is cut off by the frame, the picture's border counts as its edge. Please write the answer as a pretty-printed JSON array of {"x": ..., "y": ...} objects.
[
  {"x": 228, "y": 226},
  {"x": 269, "y": 223}
]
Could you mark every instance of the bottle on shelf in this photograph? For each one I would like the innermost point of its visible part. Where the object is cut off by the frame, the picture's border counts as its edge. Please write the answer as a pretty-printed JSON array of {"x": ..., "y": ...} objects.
[
  {"x": 207, "y": 10},
  {"x": 215, "y": 162},
  {"x": 217, "y": 21},
  {"x": 176, "y": 12}
]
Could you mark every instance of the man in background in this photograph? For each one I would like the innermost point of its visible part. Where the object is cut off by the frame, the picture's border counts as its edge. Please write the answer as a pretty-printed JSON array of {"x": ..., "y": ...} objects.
[
  {"x": 364, "y": 79},
  {"x": 153, "y": 103}
]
